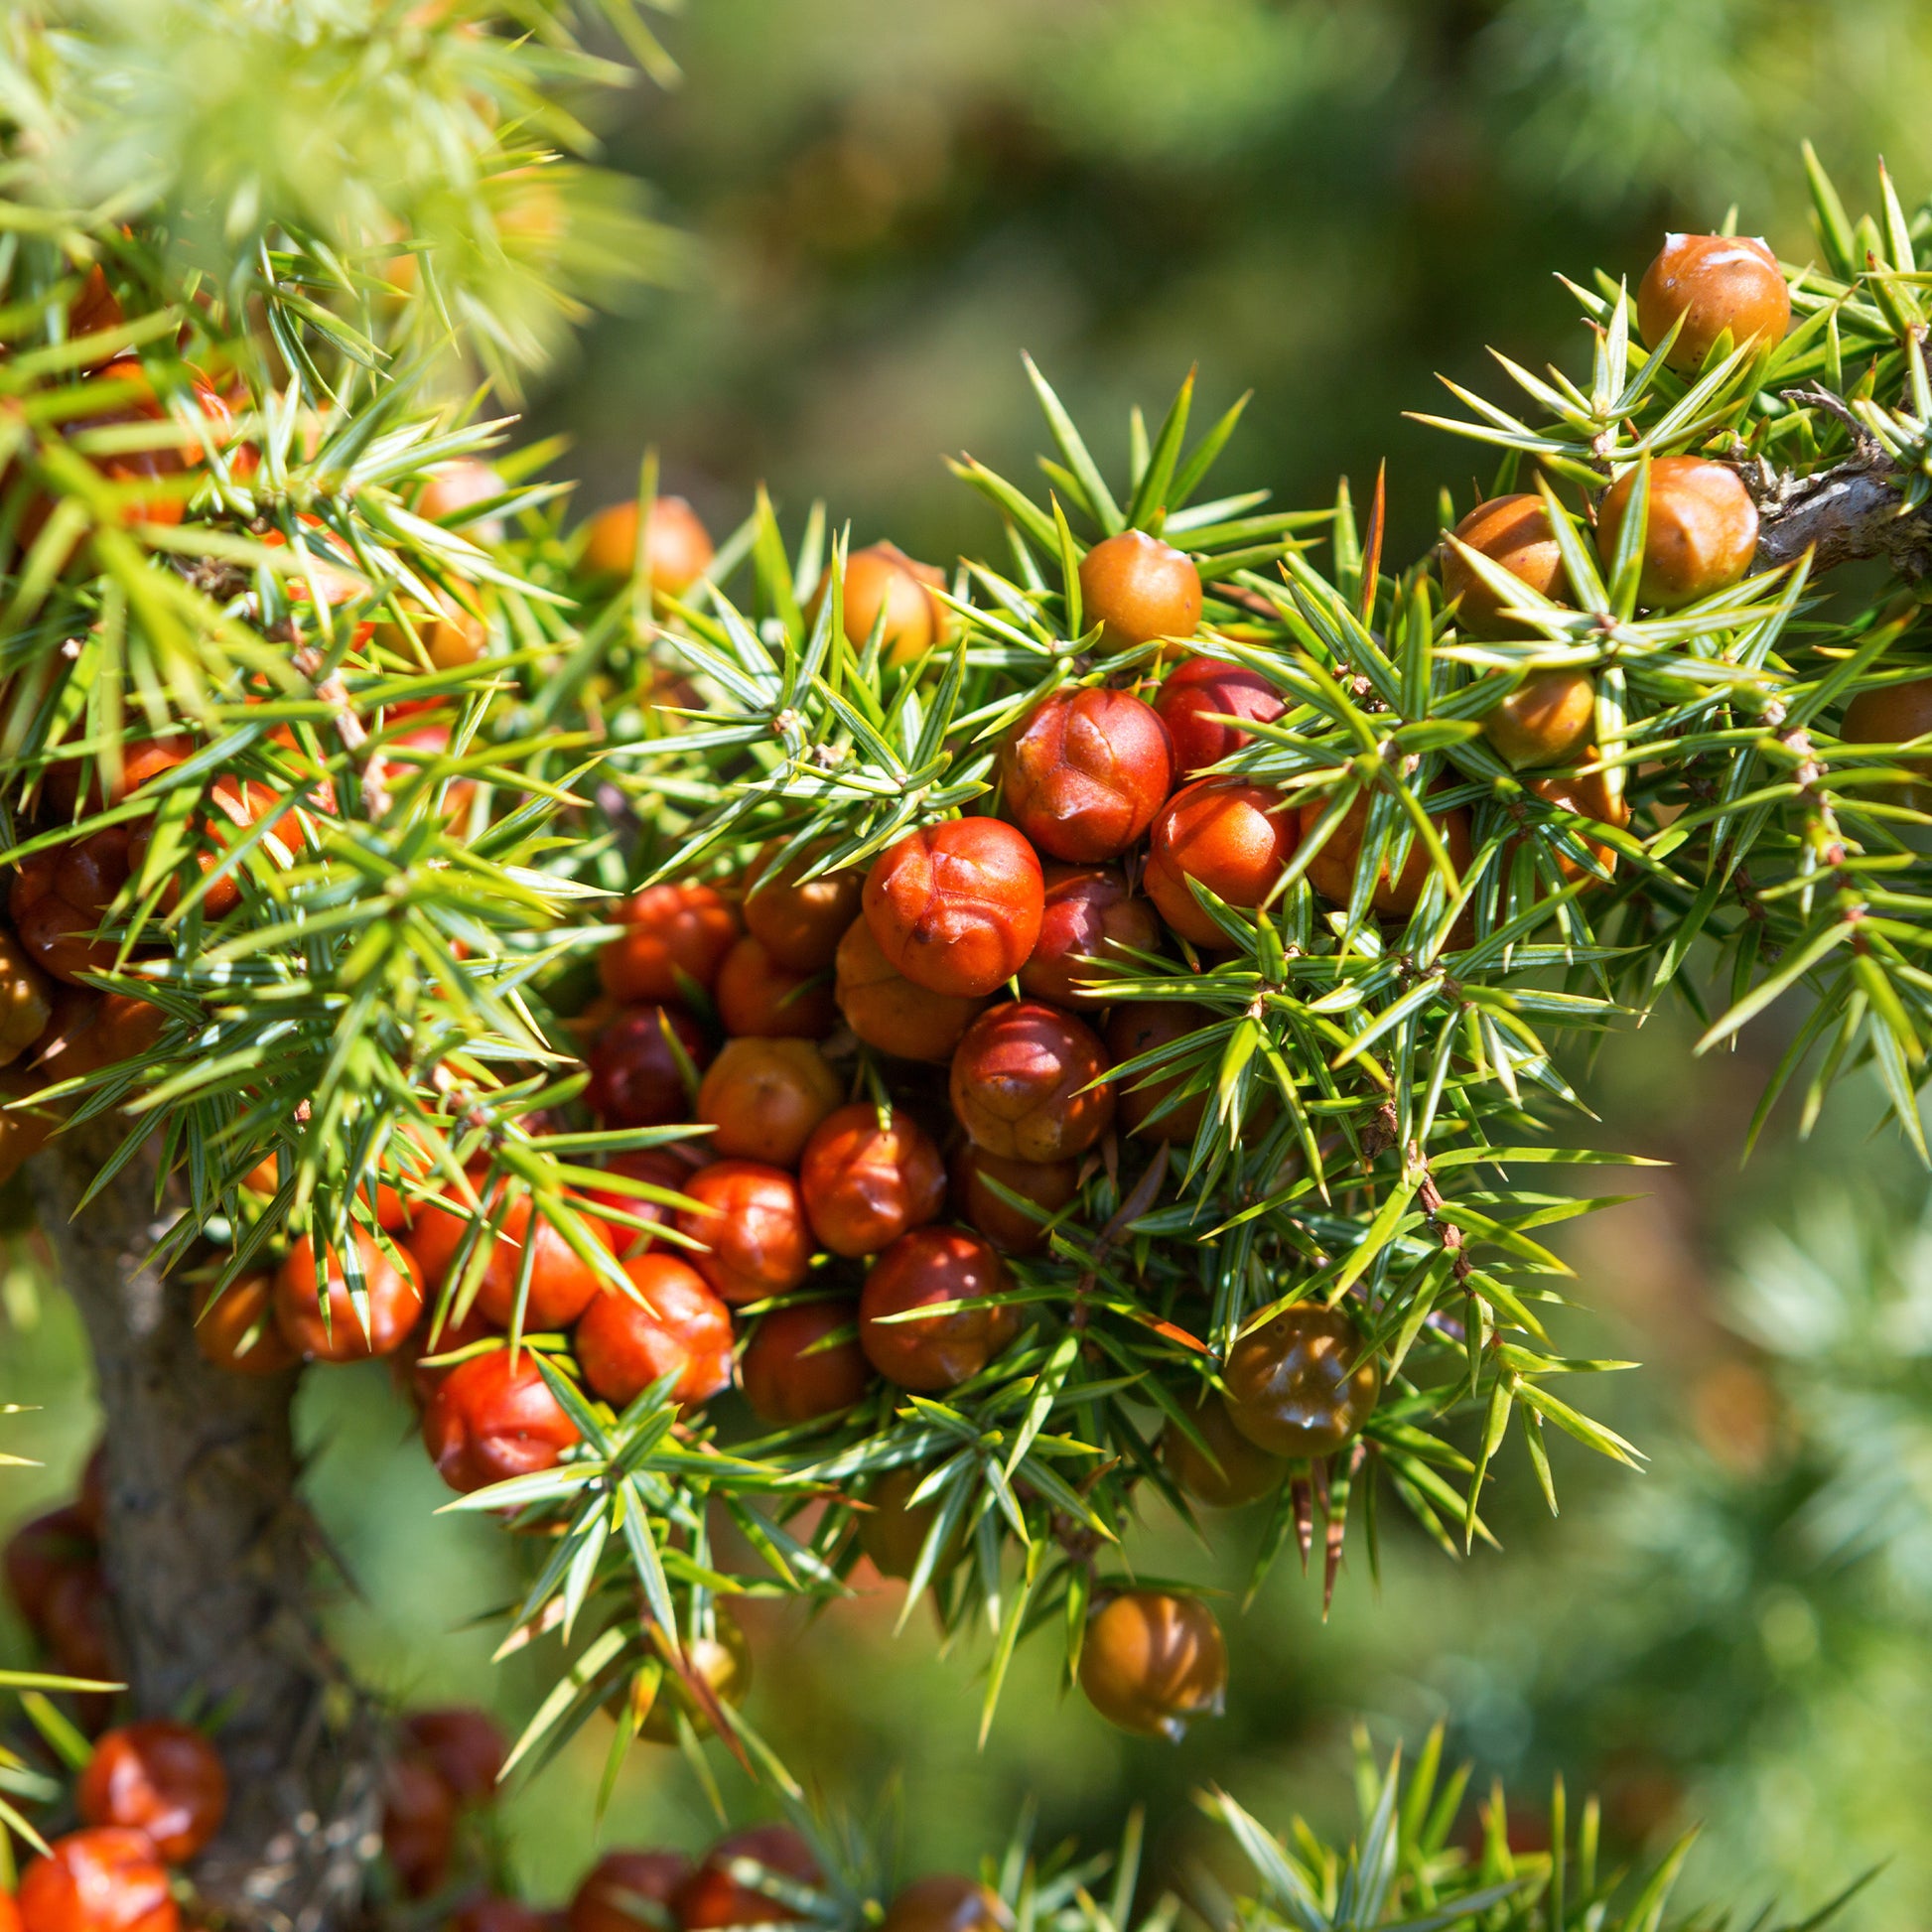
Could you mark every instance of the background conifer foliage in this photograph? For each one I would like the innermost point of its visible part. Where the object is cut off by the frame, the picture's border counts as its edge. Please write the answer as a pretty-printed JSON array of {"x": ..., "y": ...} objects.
[{"x": 812, "y": 1064}]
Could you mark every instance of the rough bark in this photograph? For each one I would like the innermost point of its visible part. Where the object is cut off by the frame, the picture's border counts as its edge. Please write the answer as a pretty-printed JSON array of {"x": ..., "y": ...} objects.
[
  {"x": 211, "y": 1560},
  {"x": 1849, "y": 512}
]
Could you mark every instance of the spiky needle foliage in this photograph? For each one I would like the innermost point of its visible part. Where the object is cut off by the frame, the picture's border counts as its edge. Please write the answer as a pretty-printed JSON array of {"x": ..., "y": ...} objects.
[{"x": 362, "y": 950}]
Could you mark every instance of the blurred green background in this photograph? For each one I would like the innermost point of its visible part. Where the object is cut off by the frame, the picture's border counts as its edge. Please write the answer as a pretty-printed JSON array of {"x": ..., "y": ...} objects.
[{"x": 1329, "y": 203}]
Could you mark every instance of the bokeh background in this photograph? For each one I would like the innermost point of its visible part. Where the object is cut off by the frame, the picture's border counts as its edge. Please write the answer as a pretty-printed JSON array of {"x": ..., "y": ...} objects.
[{"x": 1330, "y": 204}]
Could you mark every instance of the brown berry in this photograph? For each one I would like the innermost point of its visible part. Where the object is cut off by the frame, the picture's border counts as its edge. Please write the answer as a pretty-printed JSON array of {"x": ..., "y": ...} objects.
[
  {"x": 751, "y": 1219},
  {"x": 677, "y": 1326},
  {"x": 1199, "y": 690},
  {"x": 722, "y": 1892},
  {"x": 104, "y": 1879},
  {"x": 1546, "y": 720},
  {"x": 956, "y": 906},
  {"x": 1332, "y": 872},
  {"x": 1514, "y": 532},
  {"x": 1088, "y": 929},
  {"x": 466, "y": 1746},
  {"x": 1231, "y": 1471},
  {"x": 866, "y": 1184},
  {"x": 1143, "y": 1026},
  {"x": 1083, "y": 773},
  {"x": 677, "y": 546},
  {"x": 765, "y": 1097},
  {"x": 393, "y": 1306},
  {"x": 1152, "y": 1662},
  {"x": 799, "y": 921},
  {"x": 1027, "y": 1085},
  {"x": 159, "y": 1777},
  {"x": 25, "y": 998},
  {"x": 639, "y": 1067},
  {"x": 793, "y": 1374},
  {"x": 1721, "y": 285},
  {"x": 893, "y": 1529},
  {"x": 1299, "y": 1384},
  {"x": 1588, "y": 797},
  {"x": 674, "y": 937},
  {"x": 40, "y": 1553},
  {"x": 937, "y": 1352},
  {"x": 887, "y": 1011},
  {"x": 759, "y": 998},
  {"x": 419, "y": 1812},
  {"x": 1894, "y": 714},
  {"x": 1138, "y": 589},
  {"x": 946, "y": 1902},
  {"x": 1048, "y": 1185},
  {"x": 1700, "y": 537},
  {"x": 60, "y": 897},
  {"x": 1235, "y": 838},
  {"x": 489, "y": 1421},
  {"x": 621, "y": 1887}
]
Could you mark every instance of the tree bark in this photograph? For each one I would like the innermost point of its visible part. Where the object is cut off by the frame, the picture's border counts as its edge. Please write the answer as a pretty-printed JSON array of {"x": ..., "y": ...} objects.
[{"x": 210, "y": 1557}]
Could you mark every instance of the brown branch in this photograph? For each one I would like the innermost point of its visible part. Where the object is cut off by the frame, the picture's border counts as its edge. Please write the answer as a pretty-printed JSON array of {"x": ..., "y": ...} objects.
[{"x": 1844, "y": 514}]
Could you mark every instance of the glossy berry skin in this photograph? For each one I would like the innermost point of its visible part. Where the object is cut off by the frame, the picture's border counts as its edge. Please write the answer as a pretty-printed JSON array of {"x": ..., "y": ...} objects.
[
  {"x": 759, "y": 998},
  {"x": 1152, "y": 1662},
  {"x": 59, "y": 897},
  {"x": 1718, "y": 284},
  {"x": 1083, "y": 773},
  {"x": 1234, "y": 1473},
  {"x": 607, "y": 1899},
  {"x": 1090, "y": 927},
  {"x": 1200, "y": 689},
  {"x": 929, "y": 1265},
  {"x": 103, "y": 1879},
  {"x": 238, "y": 1332},
  {"x": 677, "y": 546},
  {"x": 562, "y": 1284},
  {"x": 1138, "y": 589},
  {"x": 1049, "y": 1184},
  {"x": 1139, "y": 1026},
  {"x": 652, "y": 1166},
  {"x": 26, "y": 999},
  {"x": 488, "y": 1421},
  {"x": 1701, "y": 537},
  {"x": 712, "y": 1897},
  {"x": 799, "y": 921},
  {"x": 1332, "y": 872},
  {"x": 672, "y": 935},
  {"x": 887, "y": 1011},
  {"x": 883, "y": 578},
  {"x": 1295, "y": 1386},
  {"x": 680, "y": 1328},
  {"x": 419, "y": 1812},
  {"x": 942, "y": 1902},
  {"x": 1893, "y": 715},
  {"x": 636, "y": 1078},
  {"x": 764, "y": 1098},
  {"x": 784, "y": 1383},
  {"x": 1022, "y": 1083},
  {"x": 466, "y": 1745},
  {"x": 395, "y": 1302},
  {"x": 159, "y": 1777},
  {"x": 1235, "y": 838},
  {"x": 1546, "y": 720},
  {"x": 1513, "y": 531},
  {"x": 892, "y": 1530},
  {"x": 420, "y": 1358},
  {"x": 956, "y": 906},
  {"x": 751, "y": 1218},
  {"x": 865, "y": 1185}
]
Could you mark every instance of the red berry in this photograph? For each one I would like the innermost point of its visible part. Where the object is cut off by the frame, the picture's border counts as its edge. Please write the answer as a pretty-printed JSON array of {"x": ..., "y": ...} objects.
[
  {"x": 489, "y": 1421},
  {"x": 619, "y": 1886},
  {"x": 104, "y": 1879},
  {"x": 59, "y": 897},
  {"x": 864, "y": 1185},
  {"x": 1142, "y": 1026},
  {"x": 496, "y": 1914},
  {"x": 158, "y": 1777},
  {"x": 1299, "y": 1385},
  {"x": 1090, "y": 927},
  {"x": 673, "y": 934},
  {"x": 1152, "y": 1661},
  {"x": 1332, "y": 872},
  {"x": 466, "y": 1745},
  {"x": 956, "y": 906},
  {"x": 561, "y": 1283},
  {"x": 679, "y": 1328},
  {"x": 1138, "y": 589},
  {"x": 758, "y": 997},
  {"x": 1023, "y": 1084},
  {"x": 638, "y": 1067},
  {"x": 938, "y": 1351},
  {"x": 716, "y": 1896},
  {"x": 765, "y": 1097},
  {"x": 1700, "y": 537},
  {"x": 428, "y": 1342},
  {"x": 1235, "y": 838},
  {"x": 945, "y": 1903},
  {"x": 652, "y": 1166},
  {"x": 1200, "y": 689},
  {"x": 799, "y": 921},
  {"x": 41, "y": 1552},
  {"x": 1513, "y": 531},
  {"x": 789, "y": 1378},
  {"x": 1049, "y": 1184},
  {"x": 418, "y": 1824},
  {"x": 751, "y": 1221},
  {"x": 238, "y": 1331},
  {"x": 1084, "y": 772},
  {"x": 1718, "y": 284},
  {"x": 887, "y": 1011},
  {"x": 395, "y": 1302},
  {"x": 76, "y": 1624}
]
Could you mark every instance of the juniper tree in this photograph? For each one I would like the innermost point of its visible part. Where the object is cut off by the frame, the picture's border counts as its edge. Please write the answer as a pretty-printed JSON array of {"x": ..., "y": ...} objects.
[{"x": 382, "y": 837}]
